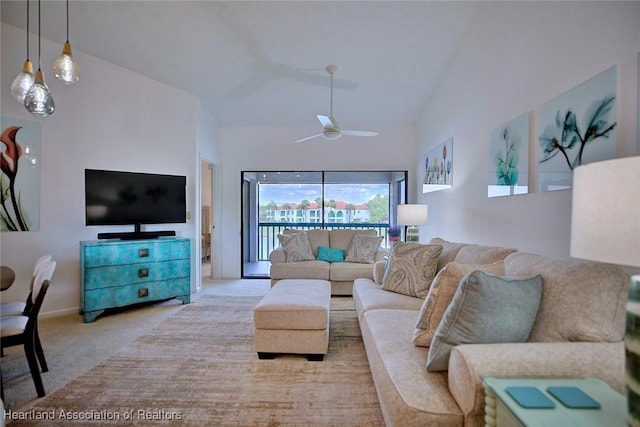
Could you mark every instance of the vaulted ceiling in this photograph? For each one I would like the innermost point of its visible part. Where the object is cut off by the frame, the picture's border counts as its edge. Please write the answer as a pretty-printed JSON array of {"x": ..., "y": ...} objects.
[{"x": 263, "y": 63}]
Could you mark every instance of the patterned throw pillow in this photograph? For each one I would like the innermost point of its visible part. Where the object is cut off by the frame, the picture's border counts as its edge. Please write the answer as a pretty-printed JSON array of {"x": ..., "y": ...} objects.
[
  {"x": 440, "y": 295},
  {"x": 411, "y": 268},
  {"x": 296, "y": 247},
  {"x": 363, "y": 249},
  {"x": 486, "y": 309},
  {"x": 328, "y": 254}
]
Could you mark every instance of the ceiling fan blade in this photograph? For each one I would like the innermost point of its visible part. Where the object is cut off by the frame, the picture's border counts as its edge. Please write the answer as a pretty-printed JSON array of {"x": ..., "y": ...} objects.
[
  {"x": 359, "y": 132},
  {"x": 309, "y": 137},
  {"x": 326, "y": 122}
]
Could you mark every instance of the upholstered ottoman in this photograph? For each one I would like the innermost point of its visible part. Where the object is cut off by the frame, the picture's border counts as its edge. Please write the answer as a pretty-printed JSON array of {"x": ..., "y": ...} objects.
[{"x": 294, "y": 318}]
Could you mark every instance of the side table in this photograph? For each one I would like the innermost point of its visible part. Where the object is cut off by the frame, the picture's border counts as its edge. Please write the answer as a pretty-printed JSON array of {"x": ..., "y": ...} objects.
[{"x": 502, "y": 411}]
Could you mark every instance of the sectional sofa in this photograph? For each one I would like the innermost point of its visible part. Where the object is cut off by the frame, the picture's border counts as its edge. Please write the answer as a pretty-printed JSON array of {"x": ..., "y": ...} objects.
[{"x": 578, "y": 331}]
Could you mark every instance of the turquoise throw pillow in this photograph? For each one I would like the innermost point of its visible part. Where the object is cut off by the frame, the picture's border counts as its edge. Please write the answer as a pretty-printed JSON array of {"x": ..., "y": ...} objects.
[{"x": 330, "y": 254}]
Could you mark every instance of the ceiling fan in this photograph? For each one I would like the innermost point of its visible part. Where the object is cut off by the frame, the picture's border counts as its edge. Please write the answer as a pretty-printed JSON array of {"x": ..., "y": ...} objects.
[{"x": 331, "y": 129}]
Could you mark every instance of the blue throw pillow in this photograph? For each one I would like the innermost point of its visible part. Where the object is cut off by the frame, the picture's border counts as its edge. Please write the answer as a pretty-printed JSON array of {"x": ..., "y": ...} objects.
[{"x": 330, "y": 254}]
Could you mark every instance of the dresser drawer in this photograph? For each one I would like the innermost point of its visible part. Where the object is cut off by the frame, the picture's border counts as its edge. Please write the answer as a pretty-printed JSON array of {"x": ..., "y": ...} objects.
[
  {"x": 100, "y": 299},
  {"x": 97, "y": 255},
  {"x": 117, "y": 275}
]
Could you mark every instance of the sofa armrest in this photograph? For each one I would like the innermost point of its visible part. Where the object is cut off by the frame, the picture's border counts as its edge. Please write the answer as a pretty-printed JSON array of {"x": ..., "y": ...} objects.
[
  {"x": 277, "y": 255},
  {"x": 378, "y": 271},
  {"x": 468, "y": 364},
  {"x": 381, "y": 255}
]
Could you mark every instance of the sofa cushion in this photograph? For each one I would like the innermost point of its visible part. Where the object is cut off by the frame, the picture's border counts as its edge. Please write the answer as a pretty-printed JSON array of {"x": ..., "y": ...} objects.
[
  {"x": 296, "y": 247},
  {"x": 408, "y": 394},
  {"x": 363, "y": 249},
  {"x": 449, "y": 251},
  {"x": 349, "y": 271},
  {"x": 486, "y": 309},
  {"x": 440, "y": 295},
  {"x": 581, "y": 300},
  {"x": 318, "y": 237},
  {"x": 411, "y": 268},
  {"x": 328, "y": 254},
  {"x": 300, "y": 270},
  {"x": 477, "y": 254},
  {"x": 368, "y": 295},
  {"x": 341, "y": 238}
]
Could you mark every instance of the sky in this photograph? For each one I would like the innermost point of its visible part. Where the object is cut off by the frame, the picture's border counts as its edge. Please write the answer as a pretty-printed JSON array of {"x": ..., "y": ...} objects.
[{"x": 295, "y": 193}]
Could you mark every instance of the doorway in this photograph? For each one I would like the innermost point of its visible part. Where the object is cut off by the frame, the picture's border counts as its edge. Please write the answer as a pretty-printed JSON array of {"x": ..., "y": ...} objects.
[{"x": 207, "y": 270}]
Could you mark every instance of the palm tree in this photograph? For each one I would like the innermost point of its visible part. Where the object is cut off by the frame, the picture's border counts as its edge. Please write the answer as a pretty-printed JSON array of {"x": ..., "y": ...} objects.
[
  {"x": 303, "y": 206},
  {"x": 350, "y": 208}
]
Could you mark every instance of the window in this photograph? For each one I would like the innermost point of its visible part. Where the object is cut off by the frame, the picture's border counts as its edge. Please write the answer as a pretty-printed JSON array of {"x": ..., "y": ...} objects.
[{"x": 314, "y": 199}]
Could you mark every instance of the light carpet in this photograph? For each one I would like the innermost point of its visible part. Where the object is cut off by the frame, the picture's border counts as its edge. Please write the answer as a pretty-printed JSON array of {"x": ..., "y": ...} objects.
[{"x": 199, "y": 367}]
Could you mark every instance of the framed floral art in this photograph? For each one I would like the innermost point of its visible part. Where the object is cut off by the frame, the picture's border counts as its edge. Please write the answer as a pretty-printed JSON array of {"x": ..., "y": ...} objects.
[
  {"x": 20, "y": 175},
  {"x": 575, "y": 128}
]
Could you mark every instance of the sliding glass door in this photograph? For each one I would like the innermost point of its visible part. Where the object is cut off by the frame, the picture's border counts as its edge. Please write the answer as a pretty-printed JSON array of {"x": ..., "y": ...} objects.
[{"x": 275, "y": 200}]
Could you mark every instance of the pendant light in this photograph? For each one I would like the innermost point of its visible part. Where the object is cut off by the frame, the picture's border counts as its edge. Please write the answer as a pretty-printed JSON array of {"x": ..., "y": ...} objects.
[
  {"x": 38, "y": 99},
  {"x": 65, "y": 68},
  {"x": 23, "y": 81}
]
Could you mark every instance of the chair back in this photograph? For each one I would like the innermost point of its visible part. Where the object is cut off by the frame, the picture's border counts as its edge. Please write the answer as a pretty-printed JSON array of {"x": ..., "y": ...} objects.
[
  {"x": 40, "y": 262},
  {"x": 44, "y": 274}
]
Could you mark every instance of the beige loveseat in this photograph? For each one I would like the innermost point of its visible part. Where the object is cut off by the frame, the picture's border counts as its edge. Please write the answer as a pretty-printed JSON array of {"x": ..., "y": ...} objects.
[
  {"x": 578, "y": 332},
  {"x": 340, "y": 274}
]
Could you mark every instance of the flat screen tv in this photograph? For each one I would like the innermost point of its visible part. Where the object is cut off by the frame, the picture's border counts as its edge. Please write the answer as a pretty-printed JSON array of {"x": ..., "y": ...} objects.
[{"x": 131, "y": 198}]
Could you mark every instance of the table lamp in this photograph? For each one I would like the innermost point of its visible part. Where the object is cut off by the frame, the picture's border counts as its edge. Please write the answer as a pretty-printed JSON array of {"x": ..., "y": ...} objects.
[
  {"x": 605, "y": 227},
  {"x": 412, "y": 216}
]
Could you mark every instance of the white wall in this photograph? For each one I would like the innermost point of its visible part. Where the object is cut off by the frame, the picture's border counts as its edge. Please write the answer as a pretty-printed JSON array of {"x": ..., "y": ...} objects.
[
  {"x": 111, "y": 119},
  {"x": 273, "y": 149},
  {"x": 517, "y": 56}
]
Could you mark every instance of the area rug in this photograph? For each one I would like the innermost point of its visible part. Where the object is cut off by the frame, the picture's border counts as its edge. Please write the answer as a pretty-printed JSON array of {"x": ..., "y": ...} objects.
[{"x": 198, "y": 367}]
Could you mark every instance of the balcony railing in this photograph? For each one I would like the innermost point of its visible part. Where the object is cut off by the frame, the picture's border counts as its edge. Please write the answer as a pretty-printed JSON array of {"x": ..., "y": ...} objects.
[{"x": 269, "y": 232}]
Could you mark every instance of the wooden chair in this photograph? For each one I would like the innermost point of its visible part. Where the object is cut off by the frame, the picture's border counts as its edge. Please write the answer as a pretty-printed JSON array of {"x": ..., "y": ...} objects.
[
  {"x": 17, "y": 308},
  {"x": 21, "y": 330}
]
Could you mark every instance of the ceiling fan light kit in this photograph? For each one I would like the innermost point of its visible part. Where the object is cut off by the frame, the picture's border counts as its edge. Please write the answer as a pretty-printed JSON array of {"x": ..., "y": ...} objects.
[{"x": 331, "y": 130}]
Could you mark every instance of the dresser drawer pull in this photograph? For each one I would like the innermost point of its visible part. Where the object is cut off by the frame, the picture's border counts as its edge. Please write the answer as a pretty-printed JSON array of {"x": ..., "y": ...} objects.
[
  {"x": 143, "y": 253},
  {"x": 143, "y": 272},
  {"x": 144, "y": 292}
]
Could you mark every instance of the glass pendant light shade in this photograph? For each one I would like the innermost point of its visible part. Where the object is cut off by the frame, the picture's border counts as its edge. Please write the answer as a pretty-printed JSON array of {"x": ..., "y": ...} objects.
[
  {"x": 38, "y": 99},
  {"x": 23, "y": 82},
  {"x": 65, "y": 68}
]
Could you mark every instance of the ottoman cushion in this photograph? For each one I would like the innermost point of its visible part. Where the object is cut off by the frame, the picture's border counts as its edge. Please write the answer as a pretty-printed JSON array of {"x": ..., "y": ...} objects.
[{"x": 295, "y": 304}]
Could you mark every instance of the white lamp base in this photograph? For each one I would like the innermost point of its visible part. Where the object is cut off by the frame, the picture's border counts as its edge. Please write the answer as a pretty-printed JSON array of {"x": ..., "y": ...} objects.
[{"x": 413, "y": 235}]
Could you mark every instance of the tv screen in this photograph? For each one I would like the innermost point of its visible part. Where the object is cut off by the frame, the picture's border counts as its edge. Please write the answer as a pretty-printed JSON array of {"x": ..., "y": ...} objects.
[{"x": 123, "y": 198}]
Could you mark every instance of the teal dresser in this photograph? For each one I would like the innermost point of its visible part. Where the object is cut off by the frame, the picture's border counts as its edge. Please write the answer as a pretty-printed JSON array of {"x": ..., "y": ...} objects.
[{"x": 118, "y": 273}]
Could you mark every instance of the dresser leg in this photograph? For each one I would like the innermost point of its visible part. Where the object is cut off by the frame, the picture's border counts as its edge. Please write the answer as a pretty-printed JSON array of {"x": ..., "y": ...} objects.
[
  {"x": 90, "y": 316},
  {"x": 186, "y": 299}
]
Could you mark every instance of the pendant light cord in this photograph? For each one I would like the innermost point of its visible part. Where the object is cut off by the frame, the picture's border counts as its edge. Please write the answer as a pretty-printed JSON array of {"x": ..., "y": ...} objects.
[
  {"x": 67, "y": 21},
  {"x": 27, "y": 30},
  {"x": 39, "y": 36}
]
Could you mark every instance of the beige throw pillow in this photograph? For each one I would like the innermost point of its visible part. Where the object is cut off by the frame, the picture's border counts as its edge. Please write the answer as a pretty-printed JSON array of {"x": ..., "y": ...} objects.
[
  {"x": 440, "y": 295},
  {"x": 411, "y": 268},
  {"x": 363, "y": 249},
  {"x": 296, "y": 247}
]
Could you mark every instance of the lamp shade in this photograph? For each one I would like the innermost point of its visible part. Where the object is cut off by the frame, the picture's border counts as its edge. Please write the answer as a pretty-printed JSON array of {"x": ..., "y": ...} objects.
[
  {"x": 605, "y": 217},
  {"x": 412, "y": 214}
]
